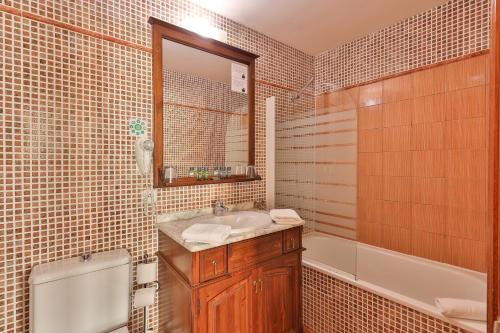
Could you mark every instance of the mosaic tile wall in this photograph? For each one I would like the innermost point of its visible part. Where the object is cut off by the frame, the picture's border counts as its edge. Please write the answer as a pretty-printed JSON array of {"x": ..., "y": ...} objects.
[
  {"x": 205, "y": 123},
  {"x": 454, "y": 29},
  {"x": 334, "y": 306},
  {"x": 72, "y": 74},
  {"x": 202, "y": 93}
]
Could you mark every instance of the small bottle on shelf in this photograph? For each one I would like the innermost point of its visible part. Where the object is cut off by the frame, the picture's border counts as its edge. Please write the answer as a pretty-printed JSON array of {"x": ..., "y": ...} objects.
[
  {"x": 223, "y": 172},
  {"x": 198, "y": 173}
]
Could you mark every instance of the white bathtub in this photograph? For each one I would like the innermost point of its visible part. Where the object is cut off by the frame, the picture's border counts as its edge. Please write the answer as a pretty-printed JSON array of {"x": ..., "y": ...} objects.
[{"x": 407, "y": 280}]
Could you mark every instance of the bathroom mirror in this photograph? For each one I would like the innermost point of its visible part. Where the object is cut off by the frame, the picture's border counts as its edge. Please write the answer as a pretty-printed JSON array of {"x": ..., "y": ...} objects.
[{"x": 204, "y": 109}]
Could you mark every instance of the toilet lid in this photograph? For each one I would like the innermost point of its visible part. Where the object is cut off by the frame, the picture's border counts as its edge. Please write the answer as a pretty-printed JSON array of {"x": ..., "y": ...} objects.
[{"x": 120, "y": 330}]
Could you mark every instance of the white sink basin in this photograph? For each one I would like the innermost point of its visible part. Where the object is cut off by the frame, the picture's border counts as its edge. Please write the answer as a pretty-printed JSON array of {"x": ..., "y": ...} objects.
[{"x": 241, "y": 222}]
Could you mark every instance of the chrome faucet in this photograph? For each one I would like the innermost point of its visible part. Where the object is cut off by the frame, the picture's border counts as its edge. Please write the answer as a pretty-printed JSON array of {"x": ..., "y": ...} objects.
[{"x": 219, "y": 208}]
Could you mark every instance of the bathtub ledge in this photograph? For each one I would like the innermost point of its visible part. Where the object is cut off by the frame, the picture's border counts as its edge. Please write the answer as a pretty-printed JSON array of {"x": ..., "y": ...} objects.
[{"x": 469, "y": 325}]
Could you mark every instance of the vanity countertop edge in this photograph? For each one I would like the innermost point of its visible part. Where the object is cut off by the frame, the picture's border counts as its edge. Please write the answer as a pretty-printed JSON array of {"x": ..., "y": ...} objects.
[{"x": 174, "y": 229}]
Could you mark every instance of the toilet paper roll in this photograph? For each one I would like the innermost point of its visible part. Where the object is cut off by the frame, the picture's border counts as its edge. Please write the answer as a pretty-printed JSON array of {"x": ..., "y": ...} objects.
[
  {"x": 144, "y": 297},
  {"x": 146, "y": 273}
]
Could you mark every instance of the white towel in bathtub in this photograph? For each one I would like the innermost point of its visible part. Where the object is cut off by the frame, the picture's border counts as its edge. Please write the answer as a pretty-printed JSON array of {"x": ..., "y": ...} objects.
[
  {"x": 206, "y": 233},
  {"x": 285, "y": 216},
  {"x": 461, "y": 308}
]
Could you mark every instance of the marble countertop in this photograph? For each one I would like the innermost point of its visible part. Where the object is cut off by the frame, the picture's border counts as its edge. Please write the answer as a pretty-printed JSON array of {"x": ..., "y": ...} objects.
[{"x": 173, "y": 228}]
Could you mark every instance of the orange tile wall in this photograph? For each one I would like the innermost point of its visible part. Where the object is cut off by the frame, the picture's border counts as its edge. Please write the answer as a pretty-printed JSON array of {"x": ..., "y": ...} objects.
[{"x": 422, "y": 163}]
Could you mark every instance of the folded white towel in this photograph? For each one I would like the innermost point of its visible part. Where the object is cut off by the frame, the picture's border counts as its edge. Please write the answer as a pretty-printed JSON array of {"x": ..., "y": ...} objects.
[
  {"x": 461, "y": 308},
  {"x": 206, "y": 233},
  {"x": 285, "y": 216}
]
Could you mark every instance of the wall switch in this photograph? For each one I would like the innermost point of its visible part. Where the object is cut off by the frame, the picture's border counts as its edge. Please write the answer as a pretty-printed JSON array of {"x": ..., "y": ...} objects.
[{"x": 149, "y": 197}]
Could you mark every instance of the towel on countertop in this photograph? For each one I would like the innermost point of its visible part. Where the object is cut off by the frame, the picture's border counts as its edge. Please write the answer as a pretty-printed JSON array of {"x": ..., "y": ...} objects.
[
  {"x": 461, "y": 308},
  {"x": 206, "y": 233},
  {"x": 285, "y": 216}
]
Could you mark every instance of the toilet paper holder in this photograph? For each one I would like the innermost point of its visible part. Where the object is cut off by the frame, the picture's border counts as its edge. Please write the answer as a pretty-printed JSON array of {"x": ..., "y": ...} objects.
[{"x": 146, "y": 261}]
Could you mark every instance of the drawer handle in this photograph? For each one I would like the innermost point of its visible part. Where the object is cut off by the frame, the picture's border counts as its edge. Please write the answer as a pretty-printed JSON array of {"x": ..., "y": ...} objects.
[
  {"x": 255, "y": 285},
  {"x": 293, "y": 243},
  {"x": 260, "y": 283},
  {"x": 214, "y": 263}
]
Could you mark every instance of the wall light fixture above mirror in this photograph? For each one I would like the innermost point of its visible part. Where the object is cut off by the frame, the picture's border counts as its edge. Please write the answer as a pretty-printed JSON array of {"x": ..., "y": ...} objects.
[{"x": 204, "y": 109}]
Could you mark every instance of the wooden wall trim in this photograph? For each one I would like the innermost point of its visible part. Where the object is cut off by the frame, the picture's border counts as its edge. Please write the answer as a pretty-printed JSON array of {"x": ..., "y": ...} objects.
[
  {"x": 414, "y": 70},
  {"x": 279, "y": 86},
  {"x": 493, "y": 171},
  {"x": 87, "y": 32},
  {"x": 201, "y": 109},
  {"x": 71, "y": 27},
  {"x": 90, "y": 33}
]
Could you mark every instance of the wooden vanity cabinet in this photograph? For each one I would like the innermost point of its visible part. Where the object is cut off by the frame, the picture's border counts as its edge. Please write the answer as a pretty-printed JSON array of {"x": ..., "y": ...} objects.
[{"x": 260, "y": 291}]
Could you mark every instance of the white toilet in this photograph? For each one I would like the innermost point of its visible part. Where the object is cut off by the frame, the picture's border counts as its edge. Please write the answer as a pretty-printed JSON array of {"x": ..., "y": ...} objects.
[{"x": 81, "y": 295}]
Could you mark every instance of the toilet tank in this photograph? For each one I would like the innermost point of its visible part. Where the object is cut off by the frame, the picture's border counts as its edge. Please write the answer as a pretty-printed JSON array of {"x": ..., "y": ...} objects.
[{"x": 81, "y": 296}]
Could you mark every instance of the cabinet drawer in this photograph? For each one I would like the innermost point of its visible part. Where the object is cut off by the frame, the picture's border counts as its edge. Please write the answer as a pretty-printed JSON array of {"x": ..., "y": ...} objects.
[
  {"x": 213, "y": 263},
  {"x": 254, "y": 250},
  {"x": 291, "y": 240}
]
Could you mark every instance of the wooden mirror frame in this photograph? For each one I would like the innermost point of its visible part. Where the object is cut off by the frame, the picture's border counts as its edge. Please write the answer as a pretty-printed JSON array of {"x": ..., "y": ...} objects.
[{"x": 163, "y": 30}]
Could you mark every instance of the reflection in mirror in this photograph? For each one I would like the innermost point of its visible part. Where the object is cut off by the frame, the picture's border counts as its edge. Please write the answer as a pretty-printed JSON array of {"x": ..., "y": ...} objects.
[{"x": 205, "y": 110}]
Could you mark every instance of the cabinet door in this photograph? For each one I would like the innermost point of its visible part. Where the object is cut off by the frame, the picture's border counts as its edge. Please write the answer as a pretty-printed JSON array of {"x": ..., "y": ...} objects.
[
  {"x": 278, "y": 285},
  {"x": 174, "y": 300},
  {"x": 226, "y": 306}
]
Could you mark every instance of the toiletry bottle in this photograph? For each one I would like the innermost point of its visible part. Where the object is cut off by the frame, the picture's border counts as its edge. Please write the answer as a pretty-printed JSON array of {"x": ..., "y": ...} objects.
[
  {"x": 197, "y": 173},
  {"x": 216, "y": 173}
]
